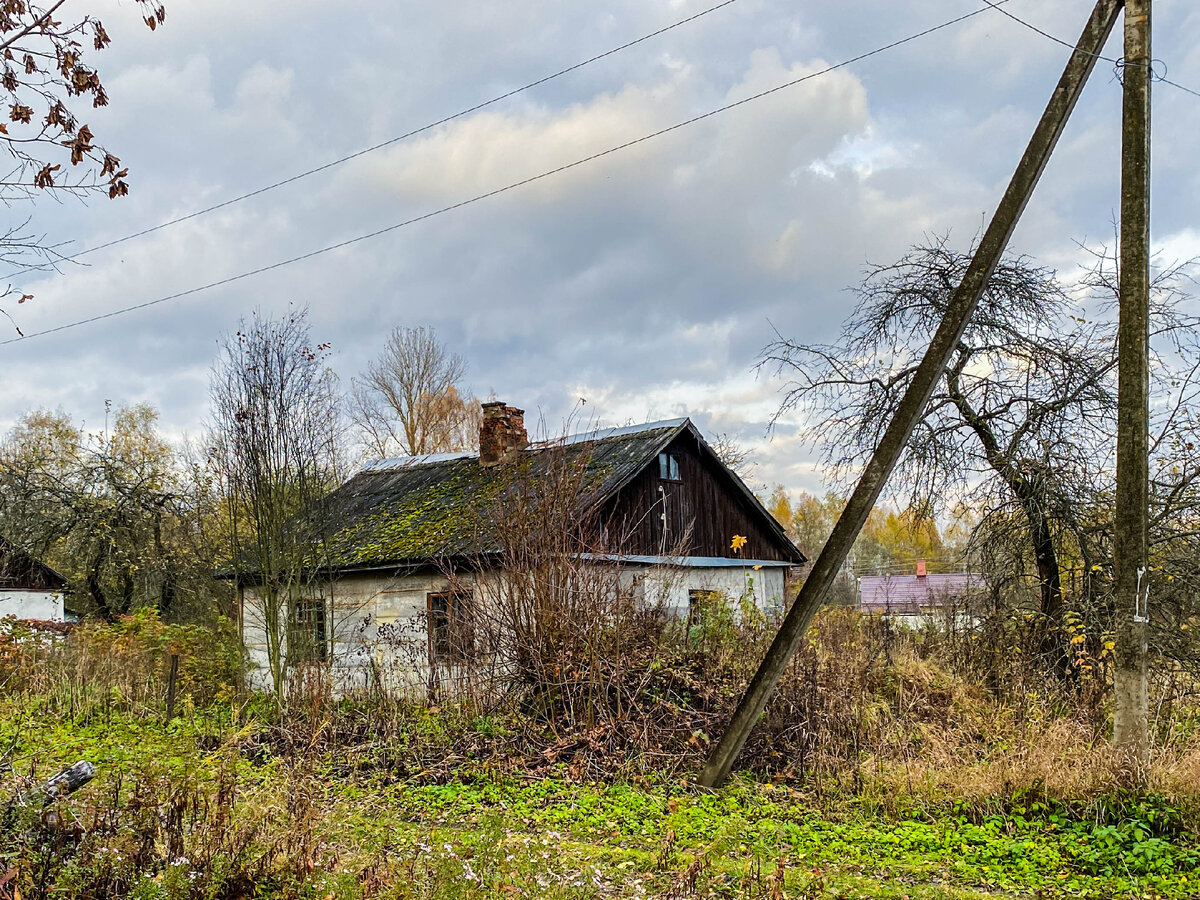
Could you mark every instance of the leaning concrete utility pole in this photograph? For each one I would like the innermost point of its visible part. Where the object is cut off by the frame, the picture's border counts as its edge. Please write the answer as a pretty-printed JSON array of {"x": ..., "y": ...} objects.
[
  {"x": 916, "y": 397},
  {"x": 1131, "y": 737}
]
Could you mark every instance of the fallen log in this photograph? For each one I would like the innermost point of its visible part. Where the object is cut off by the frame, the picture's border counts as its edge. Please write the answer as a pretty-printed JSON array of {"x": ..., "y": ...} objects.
[{"x": 65, "y": 783}]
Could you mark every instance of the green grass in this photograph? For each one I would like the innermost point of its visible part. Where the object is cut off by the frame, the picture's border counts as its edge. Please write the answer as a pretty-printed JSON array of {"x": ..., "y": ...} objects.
[{"x": 313, "y": 832}]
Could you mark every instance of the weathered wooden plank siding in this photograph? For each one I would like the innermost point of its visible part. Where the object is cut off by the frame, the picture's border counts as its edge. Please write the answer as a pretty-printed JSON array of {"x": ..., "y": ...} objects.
[{"x": 703, "y": 500}]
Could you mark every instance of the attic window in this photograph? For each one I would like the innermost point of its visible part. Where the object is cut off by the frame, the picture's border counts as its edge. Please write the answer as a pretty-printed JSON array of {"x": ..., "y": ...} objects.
[{"x": 668, "y": 467}]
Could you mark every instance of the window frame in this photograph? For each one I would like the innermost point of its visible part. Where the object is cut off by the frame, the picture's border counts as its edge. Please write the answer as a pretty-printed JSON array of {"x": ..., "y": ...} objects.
[
  {"x": 668, "y": 467},
  {"x": 450, "y": 630},
  {"x": 309, "y": 633},
  {"x": 700, "y": 602}
]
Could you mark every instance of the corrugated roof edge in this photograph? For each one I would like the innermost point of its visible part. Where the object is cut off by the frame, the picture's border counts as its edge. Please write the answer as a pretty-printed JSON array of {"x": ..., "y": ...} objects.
[
  {"x": 695, "y": 562},
  {"x": 601, "y": 434},
  {"x": 403, "y": 462},
  {"x": 583, "y": 437}
]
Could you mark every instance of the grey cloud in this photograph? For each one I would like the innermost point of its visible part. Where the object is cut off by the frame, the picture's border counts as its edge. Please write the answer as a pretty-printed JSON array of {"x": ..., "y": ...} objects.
[{"x": 647, "y": 279}]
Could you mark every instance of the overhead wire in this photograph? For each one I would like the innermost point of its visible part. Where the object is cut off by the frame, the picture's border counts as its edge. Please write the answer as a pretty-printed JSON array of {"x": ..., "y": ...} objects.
[
  {"x": 1118, "y": 62},
  {"x": 506, "y": 188},
  {"x": 1175, "y": 84},
  {"x": 388, "y": 143}
]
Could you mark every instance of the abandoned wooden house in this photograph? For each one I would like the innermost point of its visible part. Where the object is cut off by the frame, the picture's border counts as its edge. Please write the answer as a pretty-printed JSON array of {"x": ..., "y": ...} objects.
[
  {"x": 413, "y": 545},
  {"x": 29, "y": 589}
]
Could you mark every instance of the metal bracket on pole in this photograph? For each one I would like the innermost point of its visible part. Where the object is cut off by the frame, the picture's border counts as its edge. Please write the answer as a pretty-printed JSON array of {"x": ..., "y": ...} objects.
[
  {"x": 1141, "y": 598},
  {"x": 915, "y": 398}
]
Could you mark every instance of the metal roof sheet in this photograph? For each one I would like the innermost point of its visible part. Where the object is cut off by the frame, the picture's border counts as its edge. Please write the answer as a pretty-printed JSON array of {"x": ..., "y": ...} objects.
[
  {"x": 691, "y": 562},
  {"x": 911, "y": 594}
]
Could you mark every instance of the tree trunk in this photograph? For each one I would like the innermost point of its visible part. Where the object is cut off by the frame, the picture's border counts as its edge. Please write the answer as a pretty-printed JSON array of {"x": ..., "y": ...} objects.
[
  {"x": 97, "y": 593},
  {"x": 1046, "y": 559},
  {"x": 1023, "y": 489},
  {"x": 1045, "y": 555}
]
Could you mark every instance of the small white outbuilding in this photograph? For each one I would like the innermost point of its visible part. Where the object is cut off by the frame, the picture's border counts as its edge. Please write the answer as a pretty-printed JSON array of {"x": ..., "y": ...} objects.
[{"x": 29, "y": 589}]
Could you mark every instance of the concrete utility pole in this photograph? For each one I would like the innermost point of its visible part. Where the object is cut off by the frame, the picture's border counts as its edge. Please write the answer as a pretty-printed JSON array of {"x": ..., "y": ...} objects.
[
  {"x": 1131, "y": 714},
  {"x": 912, "y": 405}
]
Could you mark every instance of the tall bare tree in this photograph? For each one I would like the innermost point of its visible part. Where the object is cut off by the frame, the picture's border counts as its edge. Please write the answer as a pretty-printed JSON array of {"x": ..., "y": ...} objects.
[
  {"x": 275, "y": 445},
  {"x": 410, "y": 400}
]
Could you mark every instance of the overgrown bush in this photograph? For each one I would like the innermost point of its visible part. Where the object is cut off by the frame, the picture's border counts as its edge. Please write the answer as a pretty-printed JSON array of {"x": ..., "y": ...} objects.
[{"x": 73, "y": 670}]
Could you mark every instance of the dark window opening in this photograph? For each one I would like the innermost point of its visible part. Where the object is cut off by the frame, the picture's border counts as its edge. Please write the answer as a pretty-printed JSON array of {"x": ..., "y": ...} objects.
[
  {"x": 309, "y": 637},
  {"x": 668, "y": 467},
  {"x": 451, "y": 635}
]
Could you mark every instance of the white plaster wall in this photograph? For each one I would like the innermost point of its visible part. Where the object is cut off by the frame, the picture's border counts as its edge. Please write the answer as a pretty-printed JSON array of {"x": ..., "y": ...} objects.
[
  {"x": 44, "y": 605},
  {"x": 377, "y": 628},
  {"x": 668, "y": 588},
  {"x": 377, "y": 623}
]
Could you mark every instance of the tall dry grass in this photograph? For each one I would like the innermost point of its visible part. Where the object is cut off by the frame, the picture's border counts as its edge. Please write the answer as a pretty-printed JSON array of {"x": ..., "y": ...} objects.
[{"x": 79, "y": 671}]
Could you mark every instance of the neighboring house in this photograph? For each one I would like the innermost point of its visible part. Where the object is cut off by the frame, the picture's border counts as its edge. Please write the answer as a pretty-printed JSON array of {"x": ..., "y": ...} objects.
[
  {"x": 407, "y": 553},
  {"x": 912, "y": 599},
  {"x": 29, "y": 589}
]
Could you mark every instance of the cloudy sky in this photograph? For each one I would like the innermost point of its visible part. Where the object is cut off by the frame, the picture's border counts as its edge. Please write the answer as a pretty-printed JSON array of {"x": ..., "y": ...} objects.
[{"x": 645, "y": 282}]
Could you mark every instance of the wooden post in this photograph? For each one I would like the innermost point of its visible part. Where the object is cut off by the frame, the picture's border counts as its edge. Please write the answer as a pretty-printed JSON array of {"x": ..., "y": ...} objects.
[
  {"x": 172, "y": 677},
  {"x": 912, "y": 405},
  {"x": 1131, "y": 561}
]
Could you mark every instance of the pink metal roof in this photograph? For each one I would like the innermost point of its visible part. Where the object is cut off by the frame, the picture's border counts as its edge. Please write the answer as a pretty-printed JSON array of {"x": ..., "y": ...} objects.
[{"x": 911, "y": 594}]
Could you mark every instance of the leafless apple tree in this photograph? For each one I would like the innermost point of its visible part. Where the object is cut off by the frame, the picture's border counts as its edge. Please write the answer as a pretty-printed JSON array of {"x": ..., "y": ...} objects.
[{"x": 1021, "y": 423}]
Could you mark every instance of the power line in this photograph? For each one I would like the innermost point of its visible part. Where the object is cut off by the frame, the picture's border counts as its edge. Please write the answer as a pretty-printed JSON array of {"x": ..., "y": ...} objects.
[
  {"x": 501, "y": 190},
  {"x": 395, "y": 140},
  {"x": 1119, "y": 63},
  {"x": 1175, "y": 84},
  {"x": 1045, "y": 34}
]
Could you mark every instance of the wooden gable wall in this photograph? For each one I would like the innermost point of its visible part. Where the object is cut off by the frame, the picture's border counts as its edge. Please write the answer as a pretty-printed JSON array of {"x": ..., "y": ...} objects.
[
  {"x": 704, "y": 500},
  {"x": 20, "y": 571}
]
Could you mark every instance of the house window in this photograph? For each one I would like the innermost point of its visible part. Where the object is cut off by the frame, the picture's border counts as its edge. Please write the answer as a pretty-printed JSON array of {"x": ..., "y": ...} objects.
[
  {"x": 668, "y": 467},
  {"x": 309, "y": 637},
  {"x": 451, "y": 636}
]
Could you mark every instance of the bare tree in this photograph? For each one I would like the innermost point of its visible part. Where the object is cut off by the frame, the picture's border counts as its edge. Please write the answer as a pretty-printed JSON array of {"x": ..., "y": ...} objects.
[
  {"x": 410, "y": 401},
  {"x": 1021, "y": 420},
  {"x": 276, "y": 451},
  {"x": 733, "y": 453},
  {"x": 1027, "y": 397}
]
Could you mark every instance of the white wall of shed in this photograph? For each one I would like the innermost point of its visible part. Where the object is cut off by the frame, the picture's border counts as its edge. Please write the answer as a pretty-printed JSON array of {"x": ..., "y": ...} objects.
[
  {"x": 668, "y": 588},
  {"x": 25, "y": 604}
]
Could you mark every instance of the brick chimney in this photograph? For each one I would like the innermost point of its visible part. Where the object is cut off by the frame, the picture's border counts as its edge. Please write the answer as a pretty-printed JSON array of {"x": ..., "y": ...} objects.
[{"x": 502, "y": 433}]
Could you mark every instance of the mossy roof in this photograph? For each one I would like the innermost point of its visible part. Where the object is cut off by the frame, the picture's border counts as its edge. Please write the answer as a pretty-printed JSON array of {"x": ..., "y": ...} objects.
[{"x": 405, "y": 512}]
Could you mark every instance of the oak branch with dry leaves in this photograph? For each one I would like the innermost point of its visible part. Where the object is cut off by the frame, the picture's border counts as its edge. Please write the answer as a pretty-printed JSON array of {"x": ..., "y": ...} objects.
[{"x": 48, "y": 84}]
